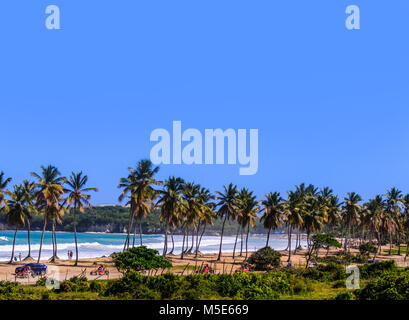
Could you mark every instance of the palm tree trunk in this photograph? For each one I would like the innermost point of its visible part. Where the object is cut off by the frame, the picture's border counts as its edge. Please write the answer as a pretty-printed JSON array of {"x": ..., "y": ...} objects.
[
  {"x": 221, "y": 240},
  {"x": 289, "y": 243},
  {"x": 390, "y": 243},
  {"x": 241, "y": 243},
  {"x": 165, "y": 246},
  {"x": 140, "y": 231},
  {"x": 235, "y": 242},
  {"x": 28, "y": 236},
  {"x": 75, "y": 235},
  {"x": 187, "y": 240},
  {"x": 197, "y": 239},
  {"x": 200, "y": 240},
  {"x": 54, "y": 242},
  {"x": 42, "y": 238},
  {"x": 268, "y": 236},
  {"x": 183, "y": 243},
  {"x": 134, "y": 235},
  {"x": 193, "y": 240},
  {"x": 129, "y": 228},
  {"x": 173, "y": 243},
  {"x": 247, "y": 240},
  {"x": 14, "y": 243}
]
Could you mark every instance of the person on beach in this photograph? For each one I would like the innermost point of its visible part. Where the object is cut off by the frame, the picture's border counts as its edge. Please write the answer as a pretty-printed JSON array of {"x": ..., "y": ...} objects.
[{"x": 19, "y": 256}]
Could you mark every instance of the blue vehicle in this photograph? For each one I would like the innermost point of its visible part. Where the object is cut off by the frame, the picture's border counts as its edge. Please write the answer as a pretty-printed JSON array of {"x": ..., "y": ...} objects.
[{"x": 37, "y": 269}]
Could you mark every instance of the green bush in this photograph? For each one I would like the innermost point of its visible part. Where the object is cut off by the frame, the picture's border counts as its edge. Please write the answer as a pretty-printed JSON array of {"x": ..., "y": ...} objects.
[
  {"x": 139, "y": 258},
  {"x": 323, "y": 273},
  {"x": 372, "y": 270},
  {"x": 367, "y": 248},
  {"x": 347, "y": 295},
  {"x": 265, "y": 259},
  {"x": 96, "y": 286},
  {"x": 389, "y": 286},
  {"x": 170, "y": 286}
]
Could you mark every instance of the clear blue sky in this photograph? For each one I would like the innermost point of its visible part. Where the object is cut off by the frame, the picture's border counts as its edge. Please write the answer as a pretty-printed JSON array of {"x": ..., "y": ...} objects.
[{"x": 331, "y": 105}]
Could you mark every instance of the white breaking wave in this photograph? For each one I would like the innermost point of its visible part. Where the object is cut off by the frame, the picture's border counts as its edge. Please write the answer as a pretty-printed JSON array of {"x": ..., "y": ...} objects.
[{"x": 4, "y": 238}]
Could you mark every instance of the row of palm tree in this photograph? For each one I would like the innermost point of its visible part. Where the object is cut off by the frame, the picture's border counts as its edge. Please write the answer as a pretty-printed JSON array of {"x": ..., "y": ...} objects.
[
  {"x": 50, "y": 195},
  {"x": 189, "y": 208}
]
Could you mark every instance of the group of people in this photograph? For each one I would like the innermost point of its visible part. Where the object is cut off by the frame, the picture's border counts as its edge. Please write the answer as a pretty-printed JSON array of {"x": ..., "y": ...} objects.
[{"x": 19, "y": 257}]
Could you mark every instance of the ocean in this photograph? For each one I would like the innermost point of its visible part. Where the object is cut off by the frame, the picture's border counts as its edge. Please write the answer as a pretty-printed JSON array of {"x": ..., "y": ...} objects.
[{"x": 93, "y": 245}]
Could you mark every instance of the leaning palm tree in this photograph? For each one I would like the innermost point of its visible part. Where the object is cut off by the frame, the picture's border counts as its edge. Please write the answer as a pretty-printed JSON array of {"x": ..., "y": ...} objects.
[
  {"x": 3, "y": 185},
  {"x": 351, "y": 213},
  {"x": 17, "y": 212},
  {"x": 171, "y": 204},
  {"x": 273, "y": 212},
  {"x": 78, "y": 197},
  {"x": 48, "y": 196},
  {"x": 227, "y": 207}
]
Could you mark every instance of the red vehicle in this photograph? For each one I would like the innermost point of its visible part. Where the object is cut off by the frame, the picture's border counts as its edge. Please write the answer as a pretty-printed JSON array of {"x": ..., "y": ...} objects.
[
  {"x": 245, "y": 268},
  {"x": 205, "y": 269},
  {"x": 24, "y": 272},
  {"x": 101, "y": 271}
]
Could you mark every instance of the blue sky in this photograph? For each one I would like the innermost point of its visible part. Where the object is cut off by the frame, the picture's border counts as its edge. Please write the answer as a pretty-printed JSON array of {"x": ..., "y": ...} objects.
[{"x": 331, "y": 105}]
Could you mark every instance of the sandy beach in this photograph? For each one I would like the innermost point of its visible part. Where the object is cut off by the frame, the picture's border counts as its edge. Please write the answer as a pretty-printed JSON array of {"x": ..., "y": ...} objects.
[{"x": 227, "y": 264}]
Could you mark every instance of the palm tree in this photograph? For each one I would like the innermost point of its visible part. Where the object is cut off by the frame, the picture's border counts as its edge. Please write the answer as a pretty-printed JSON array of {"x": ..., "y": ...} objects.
[
  {"x": 77, "y": 196},
  {"x": 190, "y": 193},
  {"x": 207, "y": 207},
  {"x": 171, "y": 203},
  {"x": 138, "y": 187},
  {"x": 28, "y": 188},
  {"x": 248, "y": 207},
  {"x": 48, "y": 194},
  {"x": 314, "y": 215},
  {"x": 273, "y": 212},
  {"x": 394, "y": 203},
  {"x": 17, "y": 211},
  {"x": 351, "y": 213},
  {"x": 375, "y": 219},
  {"x": 292, "y": 215},
  {"x": 227, "y": 206},
  {"x": 3, "y": 185}
]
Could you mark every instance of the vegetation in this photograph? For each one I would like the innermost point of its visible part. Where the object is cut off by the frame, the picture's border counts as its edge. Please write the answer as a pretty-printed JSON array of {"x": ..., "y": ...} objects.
[
  {"x": 139, "y": 259},
  {"x": 265, "y": 259}
]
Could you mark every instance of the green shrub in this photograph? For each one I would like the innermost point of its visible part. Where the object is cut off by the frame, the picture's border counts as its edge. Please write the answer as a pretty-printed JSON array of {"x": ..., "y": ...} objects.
[
  {"x": 367, "y": 248},
  {"x": 389, "y": 286},
  {"x": 139, "y": 258},
  {"x": 96, "y": 286},
  {"x": 347, "y": 295},
  {"x": 329, "y": 272},
  {"x": 372, "y": 270},
  {"x": 265, "y": 259},
  {"x": 41, "y": 282},
  {"x": 77, "y": 279},
  {"x": 339, "y": 284}
]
